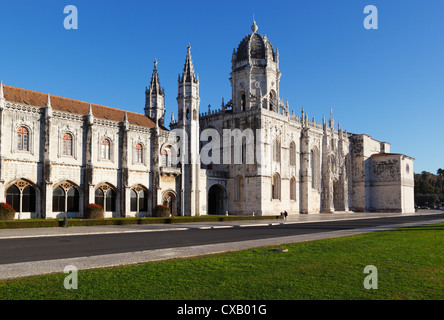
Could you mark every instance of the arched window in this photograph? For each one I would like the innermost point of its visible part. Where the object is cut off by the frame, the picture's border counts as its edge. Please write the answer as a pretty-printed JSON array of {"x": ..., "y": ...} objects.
[
  {"x": 139, "y": 199},
  {"x": 292, "y": 154},
  {"x": 67, "y": 145},
  {"x": 21, "y": 196},
  {"x": 276, "y": 186},
  {"x": 272, "y": 100},
  {"x": 65, "y": 198},
  {"x": 105, "y": 196},
  {"x": 293, "y": 189},
  {"x": 22, "y": 139},
  {"x": 105, "y": 151},
  {"x": 28, "y": 199},
  {"x": 133, "y": 200},
  {"x": 239, "y": 188},
  {"x": 110, "y": 200},
  {"x": 138, "y": 153},
  {"x": 13, "y": 197},
  {"x": 243, "y": 102},
  {"x": 166, "y": 157},
  {"x": 58, "y": 200},
  {"x": 143, "y": 200},
  {"x": 72, "y": 201},
  {"x": 312, "y": 168},
  {"x": 276, "y": 150},
  {"x": 99, "y": 197},
  {"x": 315, "y": 163}
]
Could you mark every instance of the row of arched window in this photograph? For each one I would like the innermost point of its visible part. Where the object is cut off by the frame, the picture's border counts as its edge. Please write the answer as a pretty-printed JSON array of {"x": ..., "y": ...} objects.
[
  {"x": 66, "y": 198},
  {"x": 68, "y": 146}
]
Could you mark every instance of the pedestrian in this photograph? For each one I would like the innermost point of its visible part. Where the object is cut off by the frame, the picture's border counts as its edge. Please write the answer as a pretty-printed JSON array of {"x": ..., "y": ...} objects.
[{"x": 285, "y": 214}]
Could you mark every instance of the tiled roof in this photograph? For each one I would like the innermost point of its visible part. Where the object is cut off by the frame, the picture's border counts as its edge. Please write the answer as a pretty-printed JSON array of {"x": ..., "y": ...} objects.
[{"x": 39, "y": 99}]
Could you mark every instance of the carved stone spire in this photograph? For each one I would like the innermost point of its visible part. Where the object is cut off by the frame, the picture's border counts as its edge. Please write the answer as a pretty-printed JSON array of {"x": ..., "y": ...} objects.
[
  {"x": 90, "y": 115},
  {"x": 155, "y": 82},
  {"x": 188, "y": 74},
  {"x": 48, "y": 108},
  {"x": 155, "y": 99}
]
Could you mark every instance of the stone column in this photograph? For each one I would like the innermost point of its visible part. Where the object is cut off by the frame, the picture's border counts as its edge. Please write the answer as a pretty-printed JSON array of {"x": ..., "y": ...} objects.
[
  {"x": 89, "y": 167},
  {"x": 124, "y": 172},
  {"x": 305, "y": 171}
]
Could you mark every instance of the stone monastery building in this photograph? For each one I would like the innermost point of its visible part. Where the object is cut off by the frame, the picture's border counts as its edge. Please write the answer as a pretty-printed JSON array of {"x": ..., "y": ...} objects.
[{"x": 57, "y": 154}]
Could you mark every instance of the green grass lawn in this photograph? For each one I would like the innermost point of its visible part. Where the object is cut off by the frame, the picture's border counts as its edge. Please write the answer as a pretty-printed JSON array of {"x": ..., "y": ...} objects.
[{"x": 409, "y": 261}]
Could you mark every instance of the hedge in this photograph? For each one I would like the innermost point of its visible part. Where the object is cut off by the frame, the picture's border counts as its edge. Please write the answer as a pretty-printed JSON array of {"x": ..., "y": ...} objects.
[{"x": 47, "y": 223}]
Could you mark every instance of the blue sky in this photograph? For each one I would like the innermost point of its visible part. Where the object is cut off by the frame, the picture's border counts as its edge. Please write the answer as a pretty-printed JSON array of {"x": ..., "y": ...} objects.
[{"x": 387, "y": 83}]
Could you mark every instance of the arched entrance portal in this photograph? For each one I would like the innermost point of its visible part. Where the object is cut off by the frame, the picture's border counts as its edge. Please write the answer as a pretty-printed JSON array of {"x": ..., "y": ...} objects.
[
  {"x": 216, "y": 200},
  {"x": 169, "y": 200}
]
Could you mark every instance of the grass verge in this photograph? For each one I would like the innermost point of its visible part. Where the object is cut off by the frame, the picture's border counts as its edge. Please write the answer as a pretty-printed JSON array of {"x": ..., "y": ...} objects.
[{"x": 409, "y": 261}]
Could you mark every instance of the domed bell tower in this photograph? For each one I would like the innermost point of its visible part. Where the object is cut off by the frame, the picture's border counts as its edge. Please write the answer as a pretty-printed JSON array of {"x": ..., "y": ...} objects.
[{"x": 255, "y": 74}]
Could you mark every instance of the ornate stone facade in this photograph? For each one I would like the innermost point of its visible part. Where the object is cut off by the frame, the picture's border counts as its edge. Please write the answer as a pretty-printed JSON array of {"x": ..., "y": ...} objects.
[{"x": 57, "y": 155}]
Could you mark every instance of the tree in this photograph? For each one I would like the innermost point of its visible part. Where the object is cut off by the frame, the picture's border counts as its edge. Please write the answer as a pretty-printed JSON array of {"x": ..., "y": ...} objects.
[{"x": 440, "y": 173}]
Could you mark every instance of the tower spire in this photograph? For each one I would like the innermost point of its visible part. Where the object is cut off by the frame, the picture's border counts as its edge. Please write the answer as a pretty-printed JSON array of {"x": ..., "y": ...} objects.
[
  {"x": 188, "y": 74},
  {"x": 331, "y": 121},
  {"x": 155, "y": 82},
  {"x": 155, "y": 98},
  {"x": 254, "y": 27}
]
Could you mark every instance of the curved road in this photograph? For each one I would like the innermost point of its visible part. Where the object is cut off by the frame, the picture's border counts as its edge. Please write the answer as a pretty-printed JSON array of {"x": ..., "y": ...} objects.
[{"x": 28, "y": 249}]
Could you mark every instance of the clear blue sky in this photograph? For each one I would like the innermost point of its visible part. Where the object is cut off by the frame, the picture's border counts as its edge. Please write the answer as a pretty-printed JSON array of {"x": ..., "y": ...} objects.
[{"x": 387, "y": 83}]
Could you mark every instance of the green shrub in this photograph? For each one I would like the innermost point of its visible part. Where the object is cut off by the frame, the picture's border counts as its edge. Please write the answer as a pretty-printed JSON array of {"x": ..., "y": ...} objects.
[
  {"x": 94, "y": 211},
  {"x": 7, "y": 212},
  {"x": 161, "y": 211}
]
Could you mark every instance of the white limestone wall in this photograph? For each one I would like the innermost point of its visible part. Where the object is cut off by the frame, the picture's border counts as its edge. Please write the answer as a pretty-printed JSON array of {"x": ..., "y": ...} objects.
[{"x": 392, "y": 184}]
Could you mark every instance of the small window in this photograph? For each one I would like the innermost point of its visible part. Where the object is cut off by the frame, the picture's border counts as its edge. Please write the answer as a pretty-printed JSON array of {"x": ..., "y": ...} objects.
[
  {"x": 105, "y": 149},
  {"x": 276, "y": 186},
  {"x": 67, "y": 145},
  {"x": 243, "y": 103},
  {"x": 276, "y": 150},
  {"x": 22, "y": 139},
  {"x": 166, "y": 157},
  {"x": 293, "y": 189},
  {"x": 138, "y": 152},
  {"x": 292, "y": 154}
]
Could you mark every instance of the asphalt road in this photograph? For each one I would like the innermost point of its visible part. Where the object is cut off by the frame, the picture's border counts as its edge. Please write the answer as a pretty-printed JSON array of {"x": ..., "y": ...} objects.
[{"x": 58, "y": 247}]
